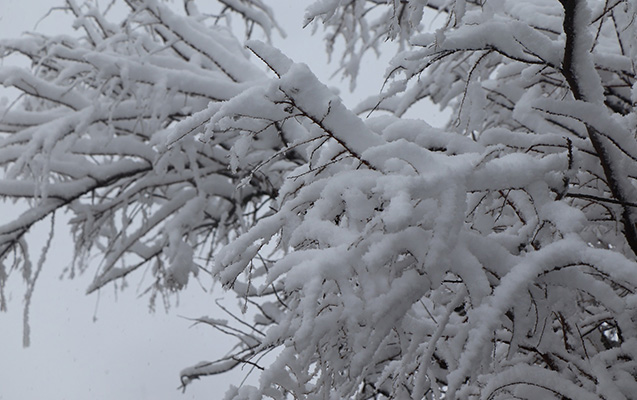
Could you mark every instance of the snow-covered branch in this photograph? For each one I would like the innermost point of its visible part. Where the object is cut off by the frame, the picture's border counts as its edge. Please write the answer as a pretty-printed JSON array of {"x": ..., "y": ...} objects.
[{"x": 378, "y": 257}]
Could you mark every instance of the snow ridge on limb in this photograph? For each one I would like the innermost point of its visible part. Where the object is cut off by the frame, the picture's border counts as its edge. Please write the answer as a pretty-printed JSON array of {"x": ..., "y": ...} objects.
[
  {"x": 110, "y": 127},
  {"x": 579, "y": 71},
  {"x": 490, "y": 262},
  {"x": 379, "y": 257},
  {"x": 303, "y": 95},
  {"x": 254, "y": 12}
]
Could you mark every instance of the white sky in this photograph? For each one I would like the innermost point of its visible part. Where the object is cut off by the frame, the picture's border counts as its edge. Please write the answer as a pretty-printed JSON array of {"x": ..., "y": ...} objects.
[{"x": 127, "y": 353}]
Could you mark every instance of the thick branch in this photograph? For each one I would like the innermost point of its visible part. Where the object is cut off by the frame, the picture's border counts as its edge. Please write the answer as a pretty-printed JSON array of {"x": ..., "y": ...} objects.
[{"x": 574, "y": 70}]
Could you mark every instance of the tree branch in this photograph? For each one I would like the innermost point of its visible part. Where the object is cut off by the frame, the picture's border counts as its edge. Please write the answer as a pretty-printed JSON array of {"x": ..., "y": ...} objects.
[{"x": 573, "y": 71}]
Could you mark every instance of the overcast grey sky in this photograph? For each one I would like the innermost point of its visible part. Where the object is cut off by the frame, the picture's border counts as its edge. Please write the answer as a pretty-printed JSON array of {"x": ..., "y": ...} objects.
[{"x": 127, "y": 353}]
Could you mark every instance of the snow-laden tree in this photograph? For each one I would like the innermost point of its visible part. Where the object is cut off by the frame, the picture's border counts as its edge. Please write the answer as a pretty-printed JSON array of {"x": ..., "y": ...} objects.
[{"x": 375, "y": 256}]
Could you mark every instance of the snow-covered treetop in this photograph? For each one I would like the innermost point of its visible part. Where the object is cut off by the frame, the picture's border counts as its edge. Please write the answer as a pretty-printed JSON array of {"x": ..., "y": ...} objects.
[{"x": 379, "y": 256}]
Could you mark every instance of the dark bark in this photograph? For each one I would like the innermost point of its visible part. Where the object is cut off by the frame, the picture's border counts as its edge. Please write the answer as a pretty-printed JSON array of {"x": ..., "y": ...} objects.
[{"x": 601, "y": 148}]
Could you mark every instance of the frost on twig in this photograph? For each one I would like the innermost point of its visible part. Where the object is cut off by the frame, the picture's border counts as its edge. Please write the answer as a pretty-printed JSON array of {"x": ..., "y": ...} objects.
[{"x": 373, "y": 257}]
